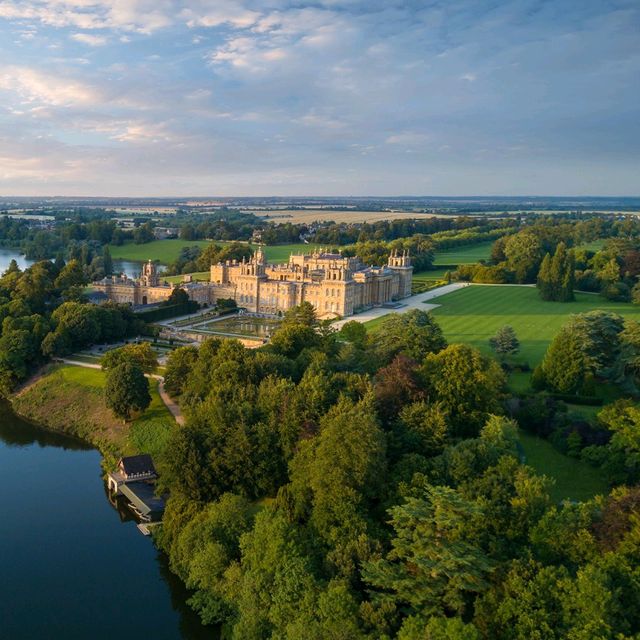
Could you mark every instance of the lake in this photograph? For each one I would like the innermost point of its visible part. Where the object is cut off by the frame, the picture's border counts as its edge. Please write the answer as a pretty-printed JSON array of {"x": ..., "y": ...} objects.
[
  {"x": 7, "y": 255},
  {"x": 131, "y": 268},
  {"x": 71, "y": 565}
]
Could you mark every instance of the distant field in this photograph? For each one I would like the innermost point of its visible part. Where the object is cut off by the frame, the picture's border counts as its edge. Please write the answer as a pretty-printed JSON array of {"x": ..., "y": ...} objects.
[
  {"x": 165, "y": 251},
  {"x": 574, "y": 479},
  {"x": 311, "y": 215},
  {"x": 595, "y": 245},
  {"x": 280, "y": 253},
  {"x": 474, "y": 314},
  {"x": 200, "y": 276}
]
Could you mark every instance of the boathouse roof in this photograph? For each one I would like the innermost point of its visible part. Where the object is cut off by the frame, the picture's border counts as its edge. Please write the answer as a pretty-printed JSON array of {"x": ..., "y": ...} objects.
[{"x": 137, "y": 465}]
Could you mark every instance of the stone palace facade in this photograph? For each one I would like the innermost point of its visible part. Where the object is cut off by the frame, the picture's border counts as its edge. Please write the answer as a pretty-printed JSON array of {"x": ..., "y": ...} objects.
[{"x": 335, "y": 285}]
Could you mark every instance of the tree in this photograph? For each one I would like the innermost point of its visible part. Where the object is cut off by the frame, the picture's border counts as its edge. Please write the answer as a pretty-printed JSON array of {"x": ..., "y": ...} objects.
[
  {"x": 142, "y": 355},
  {"x": 126, "y": 390},
  {"x": 557, "y": 275},
  {"x": 505, "y": 342},
  {"x": 413, "y": 334},
  {"x": 304, "y": 314},
  {"x": 563, "y": 367},
  {"x": 524, "y": 253},
  {"x": 433, "y": 564},
  {"x": 143, "y": 233},
  {"x": 397, "y": 385},
  {"x": 354, "y": 332},
  {"x": 544, "y": 284},
  {"x": 178, "y": 296},
  {"x": 107, "y": 260},
  {"x": 466, "y": 384},
  {"x": 76, "y": 325},
  {"x": 179, "y": 365}
]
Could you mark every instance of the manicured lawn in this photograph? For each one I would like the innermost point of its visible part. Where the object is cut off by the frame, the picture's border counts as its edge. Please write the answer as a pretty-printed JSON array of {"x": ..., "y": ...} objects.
[
  {"x": 574, "y": 479},
  {"x": 431, "y": 274},
  {"x": 473, "y": 315},
  {"x": 464, "y": 255}
]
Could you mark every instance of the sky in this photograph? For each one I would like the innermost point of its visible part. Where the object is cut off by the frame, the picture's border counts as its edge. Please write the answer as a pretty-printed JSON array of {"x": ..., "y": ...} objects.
[{"x": 325, "y": 98}]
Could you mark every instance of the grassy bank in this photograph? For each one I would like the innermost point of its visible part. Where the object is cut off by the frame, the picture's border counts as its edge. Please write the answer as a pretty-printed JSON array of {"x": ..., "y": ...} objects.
[{"x": 70, "y": 400}]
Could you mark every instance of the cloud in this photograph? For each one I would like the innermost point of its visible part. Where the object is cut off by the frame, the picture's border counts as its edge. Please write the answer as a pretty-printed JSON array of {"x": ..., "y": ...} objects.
[
  {"x": 145, "y": 16},
  {"x": 407, "y": 138},
  {"x": 34, "y": 86},
  {"x": 223, "y": 12},
  {"x": 90, "y": 39},
  {"x": 359, "y": 96}
]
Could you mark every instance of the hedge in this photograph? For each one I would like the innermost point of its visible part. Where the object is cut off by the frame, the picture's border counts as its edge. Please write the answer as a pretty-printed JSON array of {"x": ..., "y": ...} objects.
[{"x": 170, "y": 311}]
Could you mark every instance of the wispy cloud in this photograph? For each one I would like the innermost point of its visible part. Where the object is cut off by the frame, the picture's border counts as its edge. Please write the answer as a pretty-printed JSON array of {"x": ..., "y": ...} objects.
[
  {"x": 33, "y": 86},
  {"x": 90, "y": 39}
]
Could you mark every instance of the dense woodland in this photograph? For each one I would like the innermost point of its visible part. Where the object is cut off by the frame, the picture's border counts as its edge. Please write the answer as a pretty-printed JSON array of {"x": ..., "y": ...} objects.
[{"x": 354, "y": 485}]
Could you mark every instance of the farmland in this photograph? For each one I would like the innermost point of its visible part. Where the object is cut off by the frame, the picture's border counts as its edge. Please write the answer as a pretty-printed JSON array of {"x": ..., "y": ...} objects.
[{"x": 307, "y": 216}]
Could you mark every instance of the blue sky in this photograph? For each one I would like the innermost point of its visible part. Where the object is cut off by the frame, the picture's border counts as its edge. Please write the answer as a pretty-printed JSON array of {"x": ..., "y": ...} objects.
[{"x": 351, "y": 97}]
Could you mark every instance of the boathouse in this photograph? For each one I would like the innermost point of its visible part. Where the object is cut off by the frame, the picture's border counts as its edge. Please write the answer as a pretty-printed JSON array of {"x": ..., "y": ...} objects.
[{"x": 134, "y": 479}]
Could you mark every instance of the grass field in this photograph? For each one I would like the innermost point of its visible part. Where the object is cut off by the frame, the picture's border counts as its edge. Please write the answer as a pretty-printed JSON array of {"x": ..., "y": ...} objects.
[
  {"x": 594, "y": 245},
  {"x": 201, "y": 276},
  {"x": 167, "y": 251},
  {"x": 463, "y": 255},
  {"x": 574, "y": 479},
  {"x": 474, "y": 314}
]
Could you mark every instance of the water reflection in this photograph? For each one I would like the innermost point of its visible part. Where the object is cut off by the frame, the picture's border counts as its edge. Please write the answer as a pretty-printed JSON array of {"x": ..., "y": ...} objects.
[
  {"x": 7, "y": 255},
  {"x": 71, "y": 567},
  {"x": 130, "y": 267}
]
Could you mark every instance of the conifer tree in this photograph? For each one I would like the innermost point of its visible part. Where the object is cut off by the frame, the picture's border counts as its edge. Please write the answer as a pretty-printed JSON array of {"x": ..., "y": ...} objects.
[
  {"x": 544, "y": 278},
  {"x": 505, "y": 342},
  {"x": 556, "y": 275}
]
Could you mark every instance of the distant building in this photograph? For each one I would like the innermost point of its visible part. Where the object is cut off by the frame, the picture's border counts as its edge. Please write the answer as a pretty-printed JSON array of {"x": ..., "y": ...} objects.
[
  {"x": 335, "y": 285},
  {"x": 165, "y": 233}
]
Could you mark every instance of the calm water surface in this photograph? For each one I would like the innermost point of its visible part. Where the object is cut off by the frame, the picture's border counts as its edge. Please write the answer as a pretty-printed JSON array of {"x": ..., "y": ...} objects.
[
  {"x": 70, "y": 567},
  {"x": 131, "y": 268},
  {"x": 7, "y": 255}
]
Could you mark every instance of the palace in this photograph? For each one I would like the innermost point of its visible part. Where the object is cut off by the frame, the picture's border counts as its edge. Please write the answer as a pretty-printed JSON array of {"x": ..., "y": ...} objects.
[{"x": 335, "y": 285}]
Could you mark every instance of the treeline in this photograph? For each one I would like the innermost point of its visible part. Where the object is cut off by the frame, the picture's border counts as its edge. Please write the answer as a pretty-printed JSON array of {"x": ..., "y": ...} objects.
[
  {"x": 548, "y": 253},
  {"x": 225, "y": 224},
  {"x": 196, "y": 259},
  {"x": 369, "y": 485},
  {"x": 594, "y": 354},
  {"x": 42, "y": 314}
]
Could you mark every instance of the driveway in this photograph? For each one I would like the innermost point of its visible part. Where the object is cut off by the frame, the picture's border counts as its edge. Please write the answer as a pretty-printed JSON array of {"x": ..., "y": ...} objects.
[{"x": 412, "y": 302}]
